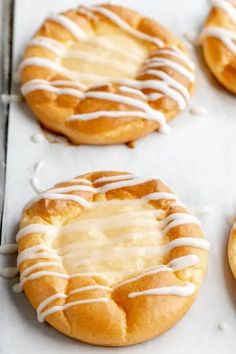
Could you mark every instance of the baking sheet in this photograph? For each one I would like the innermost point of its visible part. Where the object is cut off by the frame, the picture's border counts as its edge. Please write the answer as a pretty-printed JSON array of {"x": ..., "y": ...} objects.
[{"x": 197, "y": 160}]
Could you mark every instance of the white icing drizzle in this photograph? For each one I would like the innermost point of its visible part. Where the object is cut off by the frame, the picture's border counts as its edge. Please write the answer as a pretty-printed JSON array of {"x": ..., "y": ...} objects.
[
  {"x": 132, "y": 91},
  {"x": 177, "y": 219},
  {"x": 73, "y": 189},
  {"x": 39, "y": 166},
  {"x": 69, "y": 24},
  {"x": 226, "y": 36},
  {"x": 113, "y": 178},
  {"x": 194, "y": 242},
  {"x": 152, "y": 113},
  {"x": 160, "y": 195},
  {"x": 176, "y": 53},
  {"x": 48, "y": 43},
  {"x": 87, "y": 12},
  {"x": 144, "y": 218},
  {"x": 170, "y": 82},
  {"x": 35, "y": 85},
  {"x": 227, "y": 7},
  {"x": 174, "y": 265},
  {"x": 36, "y": 266},
  {"x": 67, "y": 83},
  {"x": 129, "y": 219},
  {"x": 109, "y": 114},
  {"x": 34, "y": 181},
  {"x": 9, "y": 272},
  {"x": 54, "y": 309},
  {"x": 49, "y": 64},
  {"x": 78, "y": 181},
  {"x": 120, "y": 181},
  {"x": 8, "y": 249},
  {"x": 35, "y": 252},
  {"x": 154, "y": 96},
  {"x": 184, "y": 290},
  {"x": 37, "y": 228},
  {"x": 165, "y": 87},
  {"x": 124, "y": 25},
  {"x": 121, "y": 184},
  {"x": 183, "y": 262},
  {"x": 163, "y": 62}
]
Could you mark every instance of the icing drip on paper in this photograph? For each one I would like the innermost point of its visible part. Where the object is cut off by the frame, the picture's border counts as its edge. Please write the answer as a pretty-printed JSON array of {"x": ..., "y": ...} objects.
[
  {"x": 6, "y": 99},
  {"x": 9, "y": 272},
  {"x": 8, "y": 249},
  {"x": 37, "y": 138},
  {"x": 198, "y": 110}
]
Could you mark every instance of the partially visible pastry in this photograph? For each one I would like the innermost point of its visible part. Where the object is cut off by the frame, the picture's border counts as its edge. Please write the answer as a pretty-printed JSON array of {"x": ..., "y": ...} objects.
[
  {"x": 232, "y": 249},
  {"x": 219, "y": 42},
  {"x": 105, "y": 75},
  {"x": 109, "y": 258}
]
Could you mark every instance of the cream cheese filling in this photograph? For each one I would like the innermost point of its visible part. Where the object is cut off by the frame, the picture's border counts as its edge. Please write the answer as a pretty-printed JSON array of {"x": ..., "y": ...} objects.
[
  {"x": 110, "y": 53},
  {"x": 114, "y": 239}
]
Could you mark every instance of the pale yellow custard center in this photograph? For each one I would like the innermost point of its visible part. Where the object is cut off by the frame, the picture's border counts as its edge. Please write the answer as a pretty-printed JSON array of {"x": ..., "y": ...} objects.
[
  {"x": 116, "y": 239},
  {"x": 110, "y": 54}
]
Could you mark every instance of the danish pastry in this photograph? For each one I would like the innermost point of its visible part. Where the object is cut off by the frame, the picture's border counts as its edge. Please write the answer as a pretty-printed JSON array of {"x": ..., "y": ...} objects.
[
  {"x": 105, "y": 75},
  {"x": 109, "y": 258},
  {"x": 232, "y": 250},
  {"x": 219, "y": 42}
]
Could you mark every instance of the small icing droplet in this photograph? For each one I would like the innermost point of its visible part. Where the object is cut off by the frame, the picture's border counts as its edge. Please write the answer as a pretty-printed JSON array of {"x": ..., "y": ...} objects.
[
  {"x": 200, "y": 210},
  {"x": 38, "y": 166},
  {"x": 3, "y": 163},
  {"x": 192, "y": 38},
  {"x": 198, "y": 110},
  {"x": 9, "y": 272},
  {"x": 38, "y": 138},
  {"x": 17, "y": 288},
  {"x": 223, "y": 326},
  {"x": 10, "y": 98},
  {"x": 165, "y": 130},
  {"x": 35, "y": 184},
  {"x": 8, "y": 249}
]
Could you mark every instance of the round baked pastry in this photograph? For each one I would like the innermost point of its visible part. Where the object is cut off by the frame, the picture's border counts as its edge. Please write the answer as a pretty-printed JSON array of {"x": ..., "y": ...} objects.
[
  {"x": 219, "y": 42},
  {"x": 232, "y": 249},
  {"x": 109, "y": 258},
  {"x": 105, "y": 75}
]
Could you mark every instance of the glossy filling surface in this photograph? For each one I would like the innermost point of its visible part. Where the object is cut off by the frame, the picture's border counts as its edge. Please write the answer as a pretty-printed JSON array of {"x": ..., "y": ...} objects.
[
  {"x": 119, "y": 240},
  {"x": 110, "y": 53}
]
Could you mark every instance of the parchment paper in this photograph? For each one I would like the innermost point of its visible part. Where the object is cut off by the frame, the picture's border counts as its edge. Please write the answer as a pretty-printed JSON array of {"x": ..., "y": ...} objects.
[{"x": 197, "y": 160}]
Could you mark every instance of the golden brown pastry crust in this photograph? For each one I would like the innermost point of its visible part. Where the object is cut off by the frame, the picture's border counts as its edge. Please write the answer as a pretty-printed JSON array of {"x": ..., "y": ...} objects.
[
  {"x": 232, "y": 250},
  {"x": 220, "y": 60},
  {"x": 122, "y": 320},
  {"x": 52, "y": 110}
]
